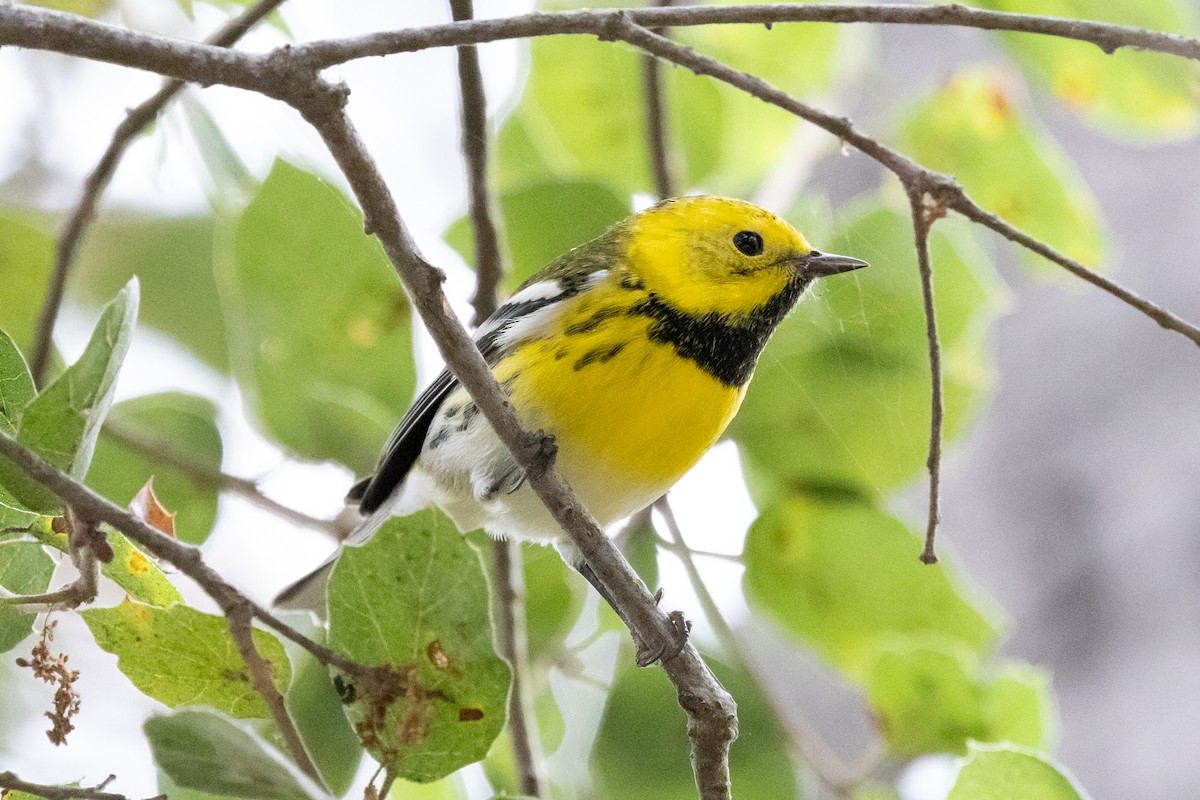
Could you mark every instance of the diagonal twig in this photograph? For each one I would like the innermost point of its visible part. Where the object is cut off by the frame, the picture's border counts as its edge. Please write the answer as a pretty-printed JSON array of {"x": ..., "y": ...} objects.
[
  {"x": 656, "y": 121},
  {"x": 136, "y": 120},
  {"x": 10, "y": 781}
]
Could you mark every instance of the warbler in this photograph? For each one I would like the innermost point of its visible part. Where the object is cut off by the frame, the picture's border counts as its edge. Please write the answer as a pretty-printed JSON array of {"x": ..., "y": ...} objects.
[{"x": 633, "y": 350}]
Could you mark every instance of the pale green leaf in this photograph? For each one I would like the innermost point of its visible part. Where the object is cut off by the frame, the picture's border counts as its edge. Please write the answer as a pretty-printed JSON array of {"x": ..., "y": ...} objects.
[
  {"x": 846, "y": 578},
  {"x": 181, "y": 656},
  {"x": 207, "y": 752},
  {"x": 317, "y": 711},
  {"x": 130, "y": 568},
  {"x": 1006, "y": 772},
  {"x": 24, "y": 569},
  {"x": 26, "y": 255},
  {"x": 415, "y": 598},
  {"x": 63, "y": 422},
  {"x": 320, "y": 326}
]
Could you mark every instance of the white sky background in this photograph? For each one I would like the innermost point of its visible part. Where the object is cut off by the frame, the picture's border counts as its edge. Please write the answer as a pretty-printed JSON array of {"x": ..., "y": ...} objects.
[{"x": 406, "y": 108}]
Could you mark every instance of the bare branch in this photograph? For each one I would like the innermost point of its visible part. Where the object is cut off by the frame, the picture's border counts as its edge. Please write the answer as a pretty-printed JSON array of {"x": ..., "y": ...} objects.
[
  {"x": 925, "y": 212},
  {"x": 507, "y": 583},
  {"x": 1107, "y": 37},
  {"x": 489, "y": 265},
  {"x": 239, "y": 615},
  {"x": 656, "y": 121},
  {"x": 98, "y": 179},
  {"x": 10, "y": 781},
  {"x": 162, "y": 451}
]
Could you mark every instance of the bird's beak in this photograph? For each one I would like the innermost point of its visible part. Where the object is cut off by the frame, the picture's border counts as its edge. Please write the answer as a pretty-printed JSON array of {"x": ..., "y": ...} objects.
[{"x": 816, "y": 264}]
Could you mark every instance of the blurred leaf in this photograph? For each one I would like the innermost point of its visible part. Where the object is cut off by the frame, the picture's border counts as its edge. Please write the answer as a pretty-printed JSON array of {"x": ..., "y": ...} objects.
[
  {"x": 1002, "y": 773},
  {"x": 973, "y": 129},
  {"x": 642, "y": 750},
  {"x": 845, "y": 578},
  {"x": 227, "y": 173},
  {"x": 173, "y": 260},
  {"x": 1019, "y": 707},
  {"x": 26, "y": 255},
  {"x": 415, "y": 597},
  {"x": 84, "y": 8},
  {"x": 320, "y": 326},
  {"x": 130, "y": 568},
  {"x": 208, "y": 752},
  {"x": 24, "y": 569},
  {"x": 16, "y": 385},
  {"x": 181, "y": 656},
  {"x": 840, "y": 400},
  {"x": 554, "y": 598},
  {"x": 1132, "y": 94},
  {"x": 171, "y": 425},
  {"x": 543, "y": 220},
  {"x": 315, "y": 706},
  {"x": 932, "y": 696},
  {"x": 640, "y": 548},
  {"x": 63, "y": 422}
]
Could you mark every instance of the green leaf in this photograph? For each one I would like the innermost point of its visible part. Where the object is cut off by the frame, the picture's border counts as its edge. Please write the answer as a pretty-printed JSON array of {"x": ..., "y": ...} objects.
[
  {"x": 415, "y": 598},
  {"x": 181, "y": 656},
  {"x": 1131, "y": 94},
  {"x": 554, "y": 598},
  {"x": 840, "y": 400},
  {"x": 184, "y": 426},
  {"x": 63, "y": 422},
  {"x": 315, "y": 706},
  {"x": 846, "y": 578},
  {"x": 173, "y": 259},
  {"x": 24, "y": 569},
  {"x": 1019, "y": 707},
  {"x": 319, "y": 324},
  {"x": 26, "y": 256},
  {"x": 16, "y": 385},
  {"x": 93, "y": 9},
  {"x": 1002, "y": 773},
  {"x": 642, "y": 750},
  {"x": 973, "y": 129},
  {"x": 210, "y": 753},
  {"x": 543, "y": 220}
]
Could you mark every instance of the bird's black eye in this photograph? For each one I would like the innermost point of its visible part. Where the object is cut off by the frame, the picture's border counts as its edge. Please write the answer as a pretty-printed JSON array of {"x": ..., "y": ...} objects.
[{"x": 748, "y": 242}]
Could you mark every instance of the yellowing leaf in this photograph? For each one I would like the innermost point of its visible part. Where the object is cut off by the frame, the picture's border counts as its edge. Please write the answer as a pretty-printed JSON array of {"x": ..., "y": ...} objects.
[{"x": 181, "y": 656}]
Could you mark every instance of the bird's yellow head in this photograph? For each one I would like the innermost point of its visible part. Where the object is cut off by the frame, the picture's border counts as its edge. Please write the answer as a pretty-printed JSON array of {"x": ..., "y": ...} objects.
[{"x": 717, "y": 255}]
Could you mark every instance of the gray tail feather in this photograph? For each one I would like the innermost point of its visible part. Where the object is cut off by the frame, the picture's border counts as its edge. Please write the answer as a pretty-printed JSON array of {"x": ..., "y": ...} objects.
[{"x": 308, "y": 593}]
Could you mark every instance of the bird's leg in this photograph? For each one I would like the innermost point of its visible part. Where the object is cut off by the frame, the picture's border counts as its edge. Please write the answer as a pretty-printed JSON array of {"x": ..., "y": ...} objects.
[{"x": 646, "y": 654}]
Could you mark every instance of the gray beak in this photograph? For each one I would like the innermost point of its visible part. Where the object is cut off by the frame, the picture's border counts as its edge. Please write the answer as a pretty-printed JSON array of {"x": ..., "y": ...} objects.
[{"x": 820, "y": 265}]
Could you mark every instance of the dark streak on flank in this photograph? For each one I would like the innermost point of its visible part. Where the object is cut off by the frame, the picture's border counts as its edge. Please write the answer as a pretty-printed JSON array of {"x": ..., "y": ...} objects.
[
  {"x": 600, "y": 356},
  {"x": 591, "y": 323}
]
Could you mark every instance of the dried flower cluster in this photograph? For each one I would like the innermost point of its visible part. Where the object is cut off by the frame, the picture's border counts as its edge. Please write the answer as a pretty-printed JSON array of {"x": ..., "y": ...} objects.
[{"x": 52, "y": 669}]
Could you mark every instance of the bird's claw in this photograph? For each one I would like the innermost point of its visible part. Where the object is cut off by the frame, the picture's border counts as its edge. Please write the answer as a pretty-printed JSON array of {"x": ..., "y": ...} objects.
[{"x": 667, "y": 650}]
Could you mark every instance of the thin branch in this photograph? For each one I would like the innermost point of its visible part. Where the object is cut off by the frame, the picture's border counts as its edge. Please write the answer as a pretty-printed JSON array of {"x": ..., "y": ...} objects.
[
  {"x": 1108, "y": 37},
  {"x": 136, "y": 120},
  {"x": 11, "y": 782},
  {"x": 926, "y": 211},
  {"x": 489, "y": 264},
  {"x": 507, "y": 582},
  {"x": 162, "y": 451},
  {"x": 239, "y": 615},
  {"x": 83, "y": 547},
  {"x": 656, "y": 121}
]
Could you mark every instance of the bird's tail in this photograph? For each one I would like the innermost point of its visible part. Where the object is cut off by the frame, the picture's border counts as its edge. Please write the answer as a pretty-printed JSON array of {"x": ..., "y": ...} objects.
[{"x": 308, "y": 593}]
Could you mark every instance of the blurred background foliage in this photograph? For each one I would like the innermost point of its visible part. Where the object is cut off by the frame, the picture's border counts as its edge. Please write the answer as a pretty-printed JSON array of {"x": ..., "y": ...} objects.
[{"x": 276, "y": 289}]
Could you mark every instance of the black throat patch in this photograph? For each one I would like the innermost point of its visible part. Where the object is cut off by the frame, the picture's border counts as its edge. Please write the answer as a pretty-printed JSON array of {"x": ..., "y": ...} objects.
[{"x": 726, "y": 350}]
